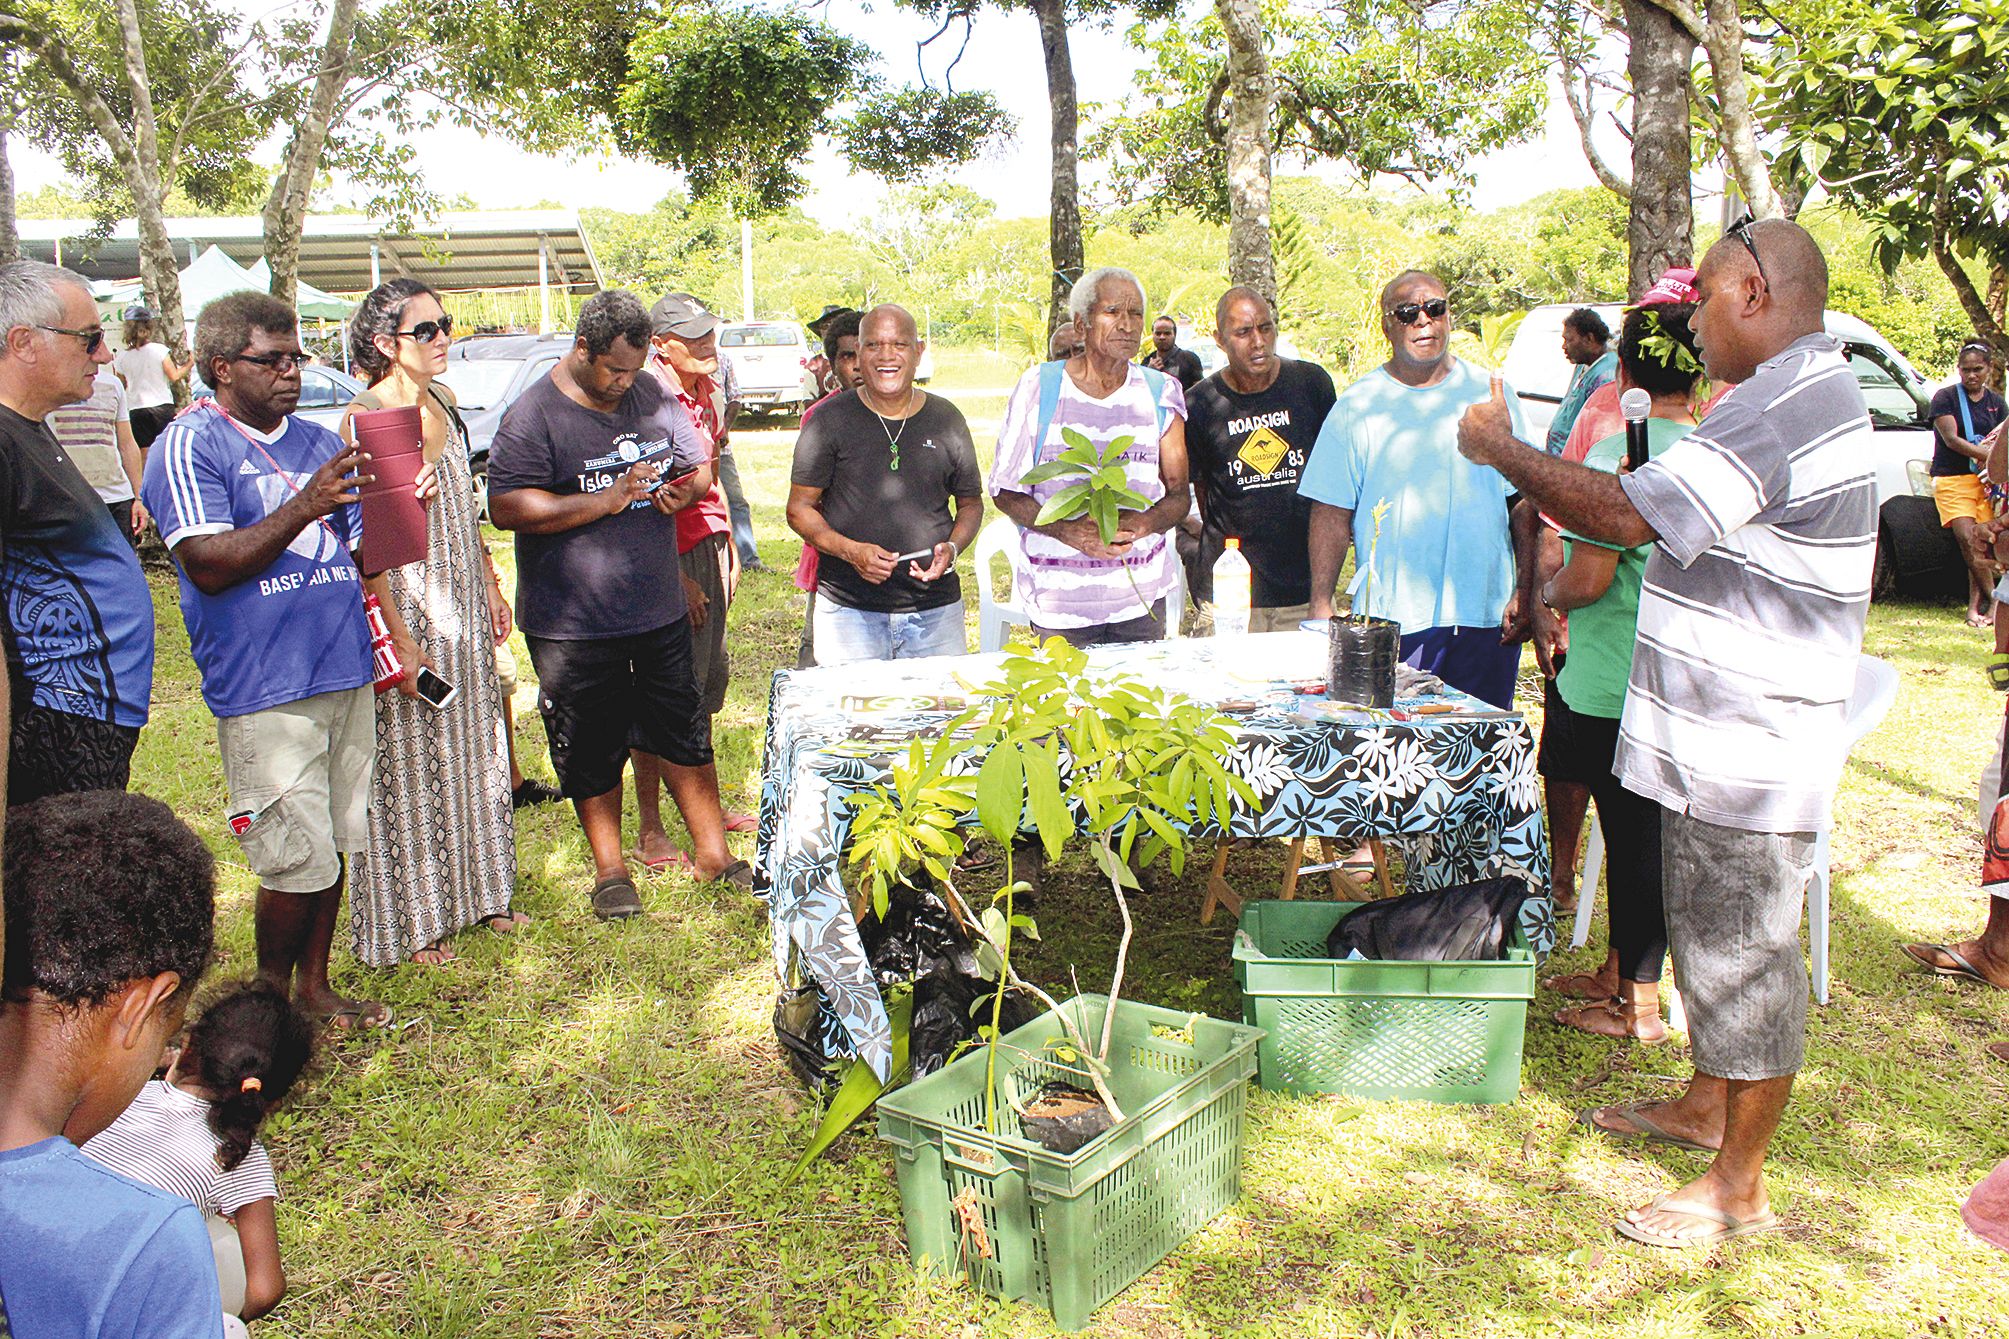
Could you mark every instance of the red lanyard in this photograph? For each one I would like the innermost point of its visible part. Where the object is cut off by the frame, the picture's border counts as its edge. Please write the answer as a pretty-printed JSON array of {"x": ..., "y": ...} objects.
[{"x": 278, "y": 469}]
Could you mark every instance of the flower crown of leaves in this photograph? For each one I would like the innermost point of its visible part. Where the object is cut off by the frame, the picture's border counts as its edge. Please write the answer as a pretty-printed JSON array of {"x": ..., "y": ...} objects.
[{"x": 1665, "y": 349}]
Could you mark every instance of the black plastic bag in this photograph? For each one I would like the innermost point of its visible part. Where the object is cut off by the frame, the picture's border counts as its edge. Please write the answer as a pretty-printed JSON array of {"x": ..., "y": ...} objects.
[{"x": 1467, "y": 922}]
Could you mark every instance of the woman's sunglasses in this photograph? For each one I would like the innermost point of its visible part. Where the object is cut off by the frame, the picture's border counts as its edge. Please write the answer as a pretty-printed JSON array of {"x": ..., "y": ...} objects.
[
  {"x": 93, "y": 339},
  {"x": 1407, "y": 312},
  {"x": 425, "y": 332}
]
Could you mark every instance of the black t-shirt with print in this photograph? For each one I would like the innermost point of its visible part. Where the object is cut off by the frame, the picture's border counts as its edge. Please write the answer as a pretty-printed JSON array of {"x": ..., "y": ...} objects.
[
  {"x": 844, "y": 450},
  {"x": 1984, "y": 415},
  {"x": 1181, "y": 363},
  {"x": 1246, "y": 453}
]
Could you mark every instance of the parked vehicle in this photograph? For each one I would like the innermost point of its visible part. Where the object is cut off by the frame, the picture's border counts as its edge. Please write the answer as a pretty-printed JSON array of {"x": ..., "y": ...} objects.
[
  {"x": 324, "y": 392},
  {"x": 770, "y": 366},
  {"x": 486, "y": 373},
  {"x": 1914, "y": 553}
]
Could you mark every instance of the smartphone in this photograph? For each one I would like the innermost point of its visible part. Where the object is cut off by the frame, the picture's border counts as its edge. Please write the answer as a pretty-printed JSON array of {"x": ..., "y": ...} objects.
[
  {"x": 434, "y": 691},
  {"x": 665, "y": 480}
]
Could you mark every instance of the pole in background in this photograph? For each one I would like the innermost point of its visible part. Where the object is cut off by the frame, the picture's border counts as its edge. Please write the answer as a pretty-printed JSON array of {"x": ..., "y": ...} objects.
[
  {"x": 746, "y": 269},
  {"x": 543, "y": 286}
]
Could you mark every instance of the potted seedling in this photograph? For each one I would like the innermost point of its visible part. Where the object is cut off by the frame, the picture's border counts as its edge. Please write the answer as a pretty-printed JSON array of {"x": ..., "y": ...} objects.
[{"x": 1364, "y": 649}]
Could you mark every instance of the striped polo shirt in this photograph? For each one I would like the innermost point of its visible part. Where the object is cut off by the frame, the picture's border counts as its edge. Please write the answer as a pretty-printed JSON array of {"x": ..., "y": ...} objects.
[{"x": 1751, "y": 614}]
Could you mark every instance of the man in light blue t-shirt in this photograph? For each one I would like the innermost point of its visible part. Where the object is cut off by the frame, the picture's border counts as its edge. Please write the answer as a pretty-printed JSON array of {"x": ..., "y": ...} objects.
[{"x": 1441, "y": 556}]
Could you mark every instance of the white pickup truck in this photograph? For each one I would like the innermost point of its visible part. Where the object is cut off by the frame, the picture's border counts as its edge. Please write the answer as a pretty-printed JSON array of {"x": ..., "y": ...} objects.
[
  {"x": 770, "y": 365},
  {"x": 1914, "y": 554}
]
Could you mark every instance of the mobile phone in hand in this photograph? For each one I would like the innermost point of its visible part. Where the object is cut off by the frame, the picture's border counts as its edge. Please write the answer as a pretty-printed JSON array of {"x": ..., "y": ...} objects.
[
  {"x": 666, "y": 480},
  {"x": 435, "y": 691}
]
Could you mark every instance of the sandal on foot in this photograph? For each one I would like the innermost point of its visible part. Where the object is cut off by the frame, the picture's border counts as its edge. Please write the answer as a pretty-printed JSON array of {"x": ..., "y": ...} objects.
[
  {"x": 1583, "y": 1018},
  {"x": 1643, "y": 1131},
  {"x": 741, "y": 823},
  {"x": 674, "y": 860},
  {"x": 363, "y": 1017},
  {"x": 505, "y": 922},
  {"x": 1959, "y": 966},
  {"x": 739, "y": 874},
  {"x": 2000, "y": 1050},
  {"x": 1726, "y": 1229},
  {"x": 615, "y": 899},
  {"x": 435, "y": 954},
  {"x": 1578, "y": 986}
]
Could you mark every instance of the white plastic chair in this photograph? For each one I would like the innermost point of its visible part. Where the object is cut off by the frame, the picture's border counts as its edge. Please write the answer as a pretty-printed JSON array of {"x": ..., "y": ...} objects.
[
  {"x": 996, "y": 616},
  {"x": 1875, "y": 689}
]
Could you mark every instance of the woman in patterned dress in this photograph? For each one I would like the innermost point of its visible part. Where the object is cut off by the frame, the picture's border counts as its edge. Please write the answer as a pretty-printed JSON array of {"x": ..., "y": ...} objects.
[{"x": 442, "y": 853}]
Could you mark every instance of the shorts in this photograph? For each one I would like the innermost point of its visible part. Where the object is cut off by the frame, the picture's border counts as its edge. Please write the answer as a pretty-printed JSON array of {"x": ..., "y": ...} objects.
[
  {"x": 710, "y": 564},
  {"x": 149, "y": 422},
  {"x": 505, "y": 669},
  {"x": 1575, "y": 747},
  {"x": 1958, "y": 495},
  {"x": 1734, "y": 900},
  {"x": 603, "y": 697},
  {"x": 299, "y": 779},
  {"x": 54, "y": 753},
  {"x": 1279, "y": 618}
]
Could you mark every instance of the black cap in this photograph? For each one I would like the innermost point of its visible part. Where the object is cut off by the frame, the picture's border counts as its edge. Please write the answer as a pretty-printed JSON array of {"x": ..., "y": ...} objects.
[
  {"x": 681, "y": 315},
  {"x": 830, "y": 313}
]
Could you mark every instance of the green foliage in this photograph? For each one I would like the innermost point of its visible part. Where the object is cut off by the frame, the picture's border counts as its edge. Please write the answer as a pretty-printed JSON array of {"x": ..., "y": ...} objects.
[
  {"x": 1101, "y": 490},
  {"x": 860, "y": 1087},
  {"x": 1412, "y": 88},
  {"x": 902, "y": 136},
  {"x": 1903, "y": 115}
]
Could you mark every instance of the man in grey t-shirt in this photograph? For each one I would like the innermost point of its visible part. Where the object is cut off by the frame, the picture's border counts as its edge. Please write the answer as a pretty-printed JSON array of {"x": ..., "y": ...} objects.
[{"x": 1750, "y": 621}]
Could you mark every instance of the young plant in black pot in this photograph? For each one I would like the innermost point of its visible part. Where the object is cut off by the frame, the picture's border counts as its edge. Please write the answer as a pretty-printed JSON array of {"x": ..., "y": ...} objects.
[{"x": 1364, "y": 649}]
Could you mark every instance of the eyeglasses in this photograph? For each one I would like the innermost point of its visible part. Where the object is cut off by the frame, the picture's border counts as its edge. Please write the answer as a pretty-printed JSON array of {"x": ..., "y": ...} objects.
[
  {"x": 1741, "y": 230},
  {"x": 1407, "y": 312},
  {"x": 93, "y": 339},
  {"x": 282, "y": 363},
  {"x": 425, "y": 332}
]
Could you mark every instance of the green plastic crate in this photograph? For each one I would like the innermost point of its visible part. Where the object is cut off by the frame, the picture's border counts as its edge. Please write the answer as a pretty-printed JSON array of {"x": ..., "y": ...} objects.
[
  {"x": 1070, "y": 1231},
  {"x": 1426, "y": 1031}
]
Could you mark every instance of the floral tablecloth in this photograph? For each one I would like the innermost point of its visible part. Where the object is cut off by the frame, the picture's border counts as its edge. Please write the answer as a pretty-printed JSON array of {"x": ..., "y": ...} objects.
[{"x": 1458, "y": 787}]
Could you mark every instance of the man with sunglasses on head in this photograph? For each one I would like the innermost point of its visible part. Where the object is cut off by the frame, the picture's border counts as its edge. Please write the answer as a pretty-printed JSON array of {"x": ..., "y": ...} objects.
[
  {"x": 258, "y": 509},
  {"x": 79, "y": 622},
  {"x": 1751, "y": 609},
  {"x": 1441, "y": 553}
]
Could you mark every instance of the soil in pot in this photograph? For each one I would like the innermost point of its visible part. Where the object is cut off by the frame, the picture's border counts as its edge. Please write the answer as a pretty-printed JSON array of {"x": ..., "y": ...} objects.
[
  {"x": 1062, "y": 1117},
  {"x": 1362, "y": 665}
]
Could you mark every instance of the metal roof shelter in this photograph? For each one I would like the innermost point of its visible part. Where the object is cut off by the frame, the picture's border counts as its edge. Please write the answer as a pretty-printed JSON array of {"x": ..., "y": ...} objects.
[{"x": 350, "y": 253}]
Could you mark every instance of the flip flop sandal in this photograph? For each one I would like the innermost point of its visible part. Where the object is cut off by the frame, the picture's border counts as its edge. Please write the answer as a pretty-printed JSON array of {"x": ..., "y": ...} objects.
[
  {"x": 358, "y": 1018},
  {"x": 1561, "y": 985},
  {"x": 739, "y": 874},
  {"x": 1922, "y": 954},
  {"x": 434, "y": 955},
  {"x": 616, "y": 899},
  {"x": 1644, "y": 1130},
  {"x": 741, "y": 823},
  {"x": 1573, "y": 1018},
  {"x": 1727, "y": 1228},
  {"x": 1998, "y": 671},
  {"x": 2000, "y": 1050},
  {"x": 505, "y": 922},
  {"x": 662, "y": 863}
]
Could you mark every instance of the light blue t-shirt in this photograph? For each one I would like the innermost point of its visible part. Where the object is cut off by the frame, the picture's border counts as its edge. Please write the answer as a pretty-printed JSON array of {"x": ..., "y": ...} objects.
[
  {"x": 295, "y": 630},
  {"x": 1445, "y": 559},
  {"x": 88, "y": 1254},
  {"x": 1582, "y": 385}
]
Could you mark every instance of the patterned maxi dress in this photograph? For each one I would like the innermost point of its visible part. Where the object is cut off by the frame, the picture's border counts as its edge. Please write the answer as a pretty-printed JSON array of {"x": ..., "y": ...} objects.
[{"x": 442, "y": 850}]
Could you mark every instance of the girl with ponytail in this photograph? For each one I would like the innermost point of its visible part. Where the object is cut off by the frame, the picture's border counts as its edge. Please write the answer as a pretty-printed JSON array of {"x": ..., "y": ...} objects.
[{"x": 194, "y": 1133}]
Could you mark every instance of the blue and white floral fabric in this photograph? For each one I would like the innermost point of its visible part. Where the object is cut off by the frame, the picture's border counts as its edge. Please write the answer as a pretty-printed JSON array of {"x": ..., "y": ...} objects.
[{"x": 1459, "y": 786}]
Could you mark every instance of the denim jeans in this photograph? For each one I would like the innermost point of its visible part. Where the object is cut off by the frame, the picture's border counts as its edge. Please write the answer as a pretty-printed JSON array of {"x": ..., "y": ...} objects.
[
  {"x": 845, "y": 635},
  {"x": 738, "y": 510}
]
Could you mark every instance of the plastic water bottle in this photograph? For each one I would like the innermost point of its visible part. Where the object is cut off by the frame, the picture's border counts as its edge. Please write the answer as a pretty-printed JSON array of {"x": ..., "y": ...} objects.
[{"x": 1231, "y": 591}]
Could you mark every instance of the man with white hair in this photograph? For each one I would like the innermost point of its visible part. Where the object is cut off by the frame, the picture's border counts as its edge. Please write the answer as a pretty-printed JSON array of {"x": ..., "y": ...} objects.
[
  {"x": 79, "y": 620},
  {"x": 1083, "y": 587}
]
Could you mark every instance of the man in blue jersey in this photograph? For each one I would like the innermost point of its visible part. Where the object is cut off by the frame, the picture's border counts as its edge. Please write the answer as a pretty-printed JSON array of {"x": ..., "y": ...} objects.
[
  {"x": 109, "y": 906},
  {"x": 258, "y": 509},
  {"x": 79, "y": 621}
]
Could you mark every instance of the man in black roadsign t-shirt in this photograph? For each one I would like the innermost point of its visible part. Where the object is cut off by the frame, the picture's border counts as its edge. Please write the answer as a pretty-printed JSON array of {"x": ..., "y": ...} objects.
[{"x": 1249, "y": 431}]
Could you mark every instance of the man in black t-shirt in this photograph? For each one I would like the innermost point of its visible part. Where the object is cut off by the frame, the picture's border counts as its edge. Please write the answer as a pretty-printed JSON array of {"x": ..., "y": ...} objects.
[
  {"x": 1962, "y": 417},
  {"x": 1169, "y": 358},
  {"x": 876, "y": 471},
  {"x": 590, "y": 467},
  {"x": 1250, "y": 429}
]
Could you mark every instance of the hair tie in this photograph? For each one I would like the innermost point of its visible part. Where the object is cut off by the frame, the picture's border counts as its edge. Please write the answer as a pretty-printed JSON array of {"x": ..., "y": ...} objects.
[{"x": 251, "y": 1085}]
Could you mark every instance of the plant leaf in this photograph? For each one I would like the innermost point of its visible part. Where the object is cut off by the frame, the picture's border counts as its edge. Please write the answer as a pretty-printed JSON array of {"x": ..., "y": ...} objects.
[
  {"x": 1065, "y": 505},
  {"x": 1001, "y": 792},
  {"x": 860, "y": 1087},
  {"x": 1043, "y": 798}
]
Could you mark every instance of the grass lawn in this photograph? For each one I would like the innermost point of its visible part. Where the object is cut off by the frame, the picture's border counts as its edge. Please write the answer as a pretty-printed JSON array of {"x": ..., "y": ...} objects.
[{"x": 582, "y": 1129}]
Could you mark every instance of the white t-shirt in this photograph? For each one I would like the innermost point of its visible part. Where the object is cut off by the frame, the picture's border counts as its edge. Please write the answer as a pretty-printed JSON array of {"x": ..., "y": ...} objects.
[
  {"x": 163, "y": 1140},
  {"x": 145, "y": 375},
  {"x": 89, "y": 431}
]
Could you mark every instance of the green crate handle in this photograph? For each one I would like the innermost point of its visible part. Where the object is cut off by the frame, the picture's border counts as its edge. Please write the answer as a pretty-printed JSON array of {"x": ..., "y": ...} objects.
[{"x": 990, "y": 1171}]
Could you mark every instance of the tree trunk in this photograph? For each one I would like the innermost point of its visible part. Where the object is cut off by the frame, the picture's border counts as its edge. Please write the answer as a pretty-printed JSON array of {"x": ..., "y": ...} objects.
[
  {"x": 1660, "y": 222},
  {"x": 286, "y": 208},
  {"x": 1723, "y": 35},
  {"x": 160, "y": 274},
  {"x": 1065, "y": 227},
  {"x": 1250, "y": 258},
  {"x": 1987, "y": 323},
  {"x": 10, "y": 239}
]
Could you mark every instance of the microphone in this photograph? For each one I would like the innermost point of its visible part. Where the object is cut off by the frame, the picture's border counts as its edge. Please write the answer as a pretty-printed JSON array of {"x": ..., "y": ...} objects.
[{"x": 1635, "y": 404}]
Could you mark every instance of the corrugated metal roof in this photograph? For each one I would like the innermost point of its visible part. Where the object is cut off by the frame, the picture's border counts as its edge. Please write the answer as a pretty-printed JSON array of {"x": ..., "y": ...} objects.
[{"x": 486, "y": 249}]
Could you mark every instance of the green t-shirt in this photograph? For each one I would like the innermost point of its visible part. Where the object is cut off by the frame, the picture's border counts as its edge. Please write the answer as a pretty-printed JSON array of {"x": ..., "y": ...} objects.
[{"x": 1594, "y": 676}]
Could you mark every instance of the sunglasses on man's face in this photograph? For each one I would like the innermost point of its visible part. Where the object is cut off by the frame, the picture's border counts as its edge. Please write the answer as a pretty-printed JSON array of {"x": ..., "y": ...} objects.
[
  {"x": 425, "y": 332},
  {"x": 282, "y": 363},
  {"x": 93, "y": 339},
  {"x": 1407, "y": 312}
]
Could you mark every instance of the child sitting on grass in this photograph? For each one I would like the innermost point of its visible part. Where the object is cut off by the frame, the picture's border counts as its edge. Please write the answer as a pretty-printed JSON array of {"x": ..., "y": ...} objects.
[
  {"x": 109, "y": 903},
  {"x": 194, "y": 1134}
]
